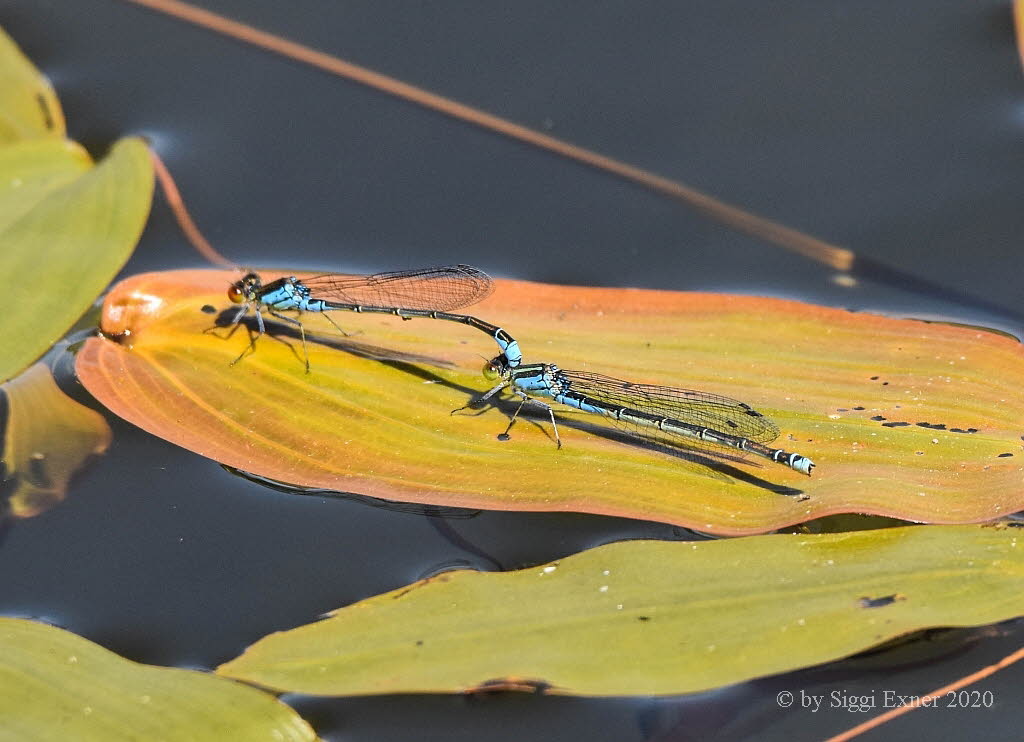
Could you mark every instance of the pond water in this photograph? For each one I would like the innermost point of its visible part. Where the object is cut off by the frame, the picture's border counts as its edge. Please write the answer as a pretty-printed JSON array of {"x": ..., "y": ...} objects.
[{"x": 888, "y": 130}]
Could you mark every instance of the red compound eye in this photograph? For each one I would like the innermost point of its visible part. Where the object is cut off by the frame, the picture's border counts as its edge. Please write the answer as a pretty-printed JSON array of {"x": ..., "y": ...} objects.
[{"x": 235, "y": 294}]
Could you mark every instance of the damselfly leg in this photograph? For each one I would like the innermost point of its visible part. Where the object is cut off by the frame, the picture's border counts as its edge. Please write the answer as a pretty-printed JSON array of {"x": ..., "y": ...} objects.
[{"x": 525, "y": 399}]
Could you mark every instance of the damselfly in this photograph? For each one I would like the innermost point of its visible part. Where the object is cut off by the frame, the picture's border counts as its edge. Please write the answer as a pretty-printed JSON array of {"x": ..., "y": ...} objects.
[
  {"x": 657, "y": 413},
  {"x": 429, "y": 293}
]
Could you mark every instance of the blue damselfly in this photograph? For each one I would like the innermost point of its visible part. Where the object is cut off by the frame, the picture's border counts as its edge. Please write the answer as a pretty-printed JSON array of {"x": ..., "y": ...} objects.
[
  {"x": 429, "y": 293},
  {"x": 659, "y": 414}
]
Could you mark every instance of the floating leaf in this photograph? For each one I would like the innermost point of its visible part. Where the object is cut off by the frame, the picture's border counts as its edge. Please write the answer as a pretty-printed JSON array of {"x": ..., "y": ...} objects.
[
  {"x": 31, "y": 170},
  {"x": 55, "y": 685},
  {"x": 28, "y": 106},
  {"x": 66, "y": 227},
  {"x": 64, "y": 237},
  {"x": 885, "y": 407},
  {"x": 651, "y": 617},
  {"x": 48, "y": 438}
]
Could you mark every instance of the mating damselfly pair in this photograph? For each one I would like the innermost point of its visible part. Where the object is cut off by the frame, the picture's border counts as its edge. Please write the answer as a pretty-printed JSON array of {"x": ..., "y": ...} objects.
[{"x": 653, "y": 413}]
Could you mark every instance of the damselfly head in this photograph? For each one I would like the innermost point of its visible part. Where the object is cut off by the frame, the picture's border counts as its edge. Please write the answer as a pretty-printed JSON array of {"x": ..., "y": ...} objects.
[
  {"x": 246, "y": 289},
  {"x": 497, "y": 366}
]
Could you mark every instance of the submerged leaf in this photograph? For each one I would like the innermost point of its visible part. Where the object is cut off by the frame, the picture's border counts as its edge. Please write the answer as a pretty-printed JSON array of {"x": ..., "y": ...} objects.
[
  {"x": 651, "y": 617},
  {"x": 55, "y": 685},
  {"x": 66, "y": 231},
  {"x": 908, "y": 419},
  {"x": 48, "y": 438}
]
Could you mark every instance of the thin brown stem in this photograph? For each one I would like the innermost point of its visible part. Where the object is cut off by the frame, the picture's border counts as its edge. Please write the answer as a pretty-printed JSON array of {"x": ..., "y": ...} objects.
[
  {"x": 834, "y": 256},
  {"x": 930, "y": 698},
  {"x": 174, "y": 200}
]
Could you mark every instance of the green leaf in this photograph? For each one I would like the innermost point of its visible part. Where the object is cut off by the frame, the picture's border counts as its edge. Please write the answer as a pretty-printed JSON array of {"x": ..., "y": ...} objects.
[
  {"x": 65, "y": 231},
  {"x": 31, "y": 170},
  {"x": 649, "y": 617},
  {"x": 884, "y": 406},
  {"x": 57, "y": 686},
  {"x": 28, "y": 106}
]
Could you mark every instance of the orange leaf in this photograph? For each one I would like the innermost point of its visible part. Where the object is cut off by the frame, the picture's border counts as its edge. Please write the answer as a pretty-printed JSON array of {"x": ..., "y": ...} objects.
[
  {"x": 1018, "y": 24},
  {"x": 883, "y": 406}
]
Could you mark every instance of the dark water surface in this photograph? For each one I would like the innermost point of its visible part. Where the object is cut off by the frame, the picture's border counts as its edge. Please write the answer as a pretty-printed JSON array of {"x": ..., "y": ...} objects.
[{"x": 891, "y": 129}]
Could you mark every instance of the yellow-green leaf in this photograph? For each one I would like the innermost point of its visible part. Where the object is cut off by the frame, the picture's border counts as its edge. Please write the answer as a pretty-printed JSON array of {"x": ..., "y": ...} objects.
[
  {"x": 58, "y": 686},
  {"x": 28, "y": 106},
  {"x": 652, "y": 617},
  {"x": 47, "y": 439},
  {"x": 64, "y": 238},
  {"x": 31, "y": 170},
  {"x": 833, "y": 380}
]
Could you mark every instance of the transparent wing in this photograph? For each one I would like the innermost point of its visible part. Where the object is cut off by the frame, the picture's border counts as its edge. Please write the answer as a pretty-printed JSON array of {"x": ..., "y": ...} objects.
[
  {"x": 444, "y": 288},
  {"x": 685, "y": 405}
]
